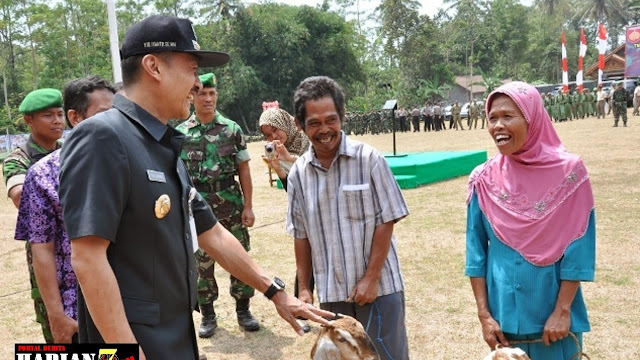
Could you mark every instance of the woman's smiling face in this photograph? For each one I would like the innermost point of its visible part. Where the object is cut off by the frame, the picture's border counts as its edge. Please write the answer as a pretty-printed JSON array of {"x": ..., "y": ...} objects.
[{"x": 506, "y": 124}]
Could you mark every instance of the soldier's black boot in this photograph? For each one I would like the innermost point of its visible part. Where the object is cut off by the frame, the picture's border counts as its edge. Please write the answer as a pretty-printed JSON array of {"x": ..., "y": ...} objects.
[
  {"x": 209, "y": 322},
  {"x": 245, "y": 319}
]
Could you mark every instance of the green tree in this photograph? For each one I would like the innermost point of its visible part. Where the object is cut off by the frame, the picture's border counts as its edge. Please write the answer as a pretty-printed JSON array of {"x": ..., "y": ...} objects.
[
  {"x": 129, "y": 12},
  {"x": 272, "y": 54},
  {"x": 633, "y": 8},
  {"x": 430, "y": 90},
  {"x": 179, "y": 8},
  {"x": 509, "y": 38},
  {"x": 398, "y": 19},
  {"x": 421, "y": 55},
  {"x": 467, "y": 33},
  {"x": 218, "y": 10},
  {"x": 605, "y": 11}
]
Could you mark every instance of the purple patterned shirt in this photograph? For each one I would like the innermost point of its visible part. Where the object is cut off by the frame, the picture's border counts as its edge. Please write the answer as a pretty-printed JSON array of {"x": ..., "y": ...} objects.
[{"x": 40, "y": 221}]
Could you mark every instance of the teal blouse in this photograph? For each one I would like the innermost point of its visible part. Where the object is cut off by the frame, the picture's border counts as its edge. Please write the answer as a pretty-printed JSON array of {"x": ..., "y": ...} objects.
[{"x": 521, "y": 295}]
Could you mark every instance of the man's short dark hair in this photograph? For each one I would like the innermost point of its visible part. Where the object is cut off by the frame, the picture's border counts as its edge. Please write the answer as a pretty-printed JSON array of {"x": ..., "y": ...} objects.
[
  {"x": 75, "y": 94},
  {"x": 314, "y": 88},
  {"x": 130, "y": 69},
  {"x": 131, "y": 66}
]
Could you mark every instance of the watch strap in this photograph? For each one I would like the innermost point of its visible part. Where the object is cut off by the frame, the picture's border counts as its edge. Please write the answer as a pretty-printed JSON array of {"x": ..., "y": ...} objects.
[{"x": 271, "y": 291}]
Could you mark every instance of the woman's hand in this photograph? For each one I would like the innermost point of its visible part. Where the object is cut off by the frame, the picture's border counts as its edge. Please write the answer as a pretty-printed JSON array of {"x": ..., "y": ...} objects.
[
  {"x": 274, "y": 163},
  {"x": 491, "y": 332},
  {"x": 559, "y": 322},
  {"x": 557, "y": 325},
  {"x": 282, "y": 151}
]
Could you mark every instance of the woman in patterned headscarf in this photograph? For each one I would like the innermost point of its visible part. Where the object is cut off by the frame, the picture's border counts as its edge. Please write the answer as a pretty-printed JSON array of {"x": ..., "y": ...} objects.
[
  {"x": 279, "y": 128},
  {"x": 530, "y": 231}
]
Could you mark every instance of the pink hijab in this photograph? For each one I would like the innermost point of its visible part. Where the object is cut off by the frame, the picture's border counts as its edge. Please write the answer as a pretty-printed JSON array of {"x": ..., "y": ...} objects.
[{"x": 537, "y": 200}]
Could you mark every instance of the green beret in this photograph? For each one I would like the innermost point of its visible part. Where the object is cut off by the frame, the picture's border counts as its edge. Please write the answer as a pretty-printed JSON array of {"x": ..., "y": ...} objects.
[
  {"x": 41, "y": 99},
  {"x": 208, "y": 80}
]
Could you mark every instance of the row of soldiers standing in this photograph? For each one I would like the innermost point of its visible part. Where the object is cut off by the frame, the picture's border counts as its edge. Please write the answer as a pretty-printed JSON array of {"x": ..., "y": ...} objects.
[
  {"x": 581, "y": 104},
  {"x": 431, "y": 114},
  {"x": 369, "y": 122},
  {"x": 569, "y": 106}
]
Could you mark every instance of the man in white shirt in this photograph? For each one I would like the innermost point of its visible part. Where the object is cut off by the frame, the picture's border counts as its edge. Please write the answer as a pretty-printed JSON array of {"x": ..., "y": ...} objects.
[
  {"x": 343, "y": 205},
  {"x": 636, "y": 100}
]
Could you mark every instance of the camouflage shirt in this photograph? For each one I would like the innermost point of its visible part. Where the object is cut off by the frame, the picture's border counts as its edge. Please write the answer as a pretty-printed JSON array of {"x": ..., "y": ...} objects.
[
  {"x": 15, "y": 166},
  {"x": 212, "y": 151},
  {"x": 620, "y": 96}
]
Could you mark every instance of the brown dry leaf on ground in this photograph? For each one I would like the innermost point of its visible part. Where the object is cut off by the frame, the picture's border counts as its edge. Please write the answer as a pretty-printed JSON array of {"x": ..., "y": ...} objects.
[{"x": 441, "y": 314}]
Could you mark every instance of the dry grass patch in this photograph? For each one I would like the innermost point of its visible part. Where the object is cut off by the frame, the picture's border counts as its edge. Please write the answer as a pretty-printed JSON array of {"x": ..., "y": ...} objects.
[{"x": 441, "y": 314}]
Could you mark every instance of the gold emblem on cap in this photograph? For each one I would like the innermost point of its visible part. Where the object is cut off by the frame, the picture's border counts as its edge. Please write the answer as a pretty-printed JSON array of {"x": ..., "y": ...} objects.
[{"x": 163, "y": 205}]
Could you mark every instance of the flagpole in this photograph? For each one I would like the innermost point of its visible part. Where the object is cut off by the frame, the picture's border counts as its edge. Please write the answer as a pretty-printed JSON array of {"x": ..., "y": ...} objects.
[
  {"x": 113, "y": 40},
  {"x": 583, "y": 52},
  {"x": 565, "y": 66},
  {"x": 602, "y": 48}
]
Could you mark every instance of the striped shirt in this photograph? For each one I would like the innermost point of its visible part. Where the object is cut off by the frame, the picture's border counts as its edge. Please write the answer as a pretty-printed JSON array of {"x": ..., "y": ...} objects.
[{"x": 338, "y": 209}]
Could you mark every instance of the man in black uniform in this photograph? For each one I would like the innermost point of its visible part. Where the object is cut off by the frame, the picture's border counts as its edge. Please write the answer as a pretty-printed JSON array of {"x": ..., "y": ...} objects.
[{"x": 131, "y": 212}]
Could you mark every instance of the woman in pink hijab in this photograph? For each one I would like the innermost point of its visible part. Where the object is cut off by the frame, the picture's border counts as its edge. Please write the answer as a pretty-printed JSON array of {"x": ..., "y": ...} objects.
[{"x": 530, "y": 230}]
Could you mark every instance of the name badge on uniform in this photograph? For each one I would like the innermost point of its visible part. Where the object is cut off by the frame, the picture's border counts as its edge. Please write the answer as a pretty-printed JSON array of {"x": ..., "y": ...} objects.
[{"x": 156, "y": 176}]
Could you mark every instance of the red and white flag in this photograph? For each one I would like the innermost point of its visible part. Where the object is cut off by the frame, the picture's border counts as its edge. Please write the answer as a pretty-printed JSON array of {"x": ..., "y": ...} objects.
[
  {"x": 565, "y": 66},
  {"x": 602, "y": 48},
  {"x": 582, "y": 53}
]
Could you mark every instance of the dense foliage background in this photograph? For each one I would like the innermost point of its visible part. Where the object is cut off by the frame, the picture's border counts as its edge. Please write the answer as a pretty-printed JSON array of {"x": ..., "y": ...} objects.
[{"x": 392, "y": 52}]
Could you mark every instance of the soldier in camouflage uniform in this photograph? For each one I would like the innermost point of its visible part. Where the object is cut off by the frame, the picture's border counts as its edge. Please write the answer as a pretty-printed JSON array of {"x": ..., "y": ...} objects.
[
  {"x": 215, "y": 152},
  {"x": 347, "y": 125},
  {"x": 563, "y": 104},
  {"x": 43, "y": 113},
  {"x": 581, "y": 108},
  {"x": 620, "y": 105},
  {"x": 375, "y": 122},
  {"x": 547, "y": 102},
  {"x": 590, "y": 103},
  {"x": 553, "y": 104}
]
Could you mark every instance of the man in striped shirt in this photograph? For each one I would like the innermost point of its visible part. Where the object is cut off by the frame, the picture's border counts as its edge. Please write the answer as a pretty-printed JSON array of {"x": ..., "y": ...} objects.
[{"x": 343, "y": 204}]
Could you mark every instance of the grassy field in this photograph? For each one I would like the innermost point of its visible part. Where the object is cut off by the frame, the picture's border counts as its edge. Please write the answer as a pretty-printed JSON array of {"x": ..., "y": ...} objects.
[{"x": 441, "y": 313}]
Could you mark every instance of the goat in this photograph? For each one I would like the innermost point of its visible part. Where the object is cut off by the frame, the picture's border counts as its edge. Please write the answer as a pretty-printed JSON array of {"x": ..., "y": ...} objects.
[
  {"x": 344, "y": 339},
  {"x": 507, "y": 353}
]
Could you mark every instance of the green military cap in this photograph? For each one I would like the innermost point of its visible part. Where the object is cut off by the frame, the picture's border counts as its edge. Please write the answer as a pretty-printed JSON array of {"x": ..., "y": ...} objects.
[
  {"x": 208, "y": 80},
  {"x": 40, "y": 99}
]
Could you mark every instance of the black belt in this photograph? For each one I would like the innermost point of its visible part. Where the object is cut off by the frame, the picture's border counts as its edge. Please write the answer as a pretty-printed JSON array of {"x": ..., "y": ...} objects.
[{"x": 215, "y": 186}]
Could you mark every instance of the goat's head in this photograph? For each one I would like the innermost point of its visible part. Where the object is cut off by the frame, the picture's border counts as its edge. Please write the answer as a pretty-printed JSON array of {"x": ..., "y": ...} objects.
[
  {"x": 344, "y": 339},
  {"x": 506, "y": 353}
]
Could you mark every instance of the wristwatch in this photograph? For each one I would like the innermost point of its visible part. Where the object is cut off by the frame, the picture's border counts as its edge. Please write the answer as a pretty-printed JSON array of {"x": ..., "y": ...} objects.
[{"x": 276, "y": 285}]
